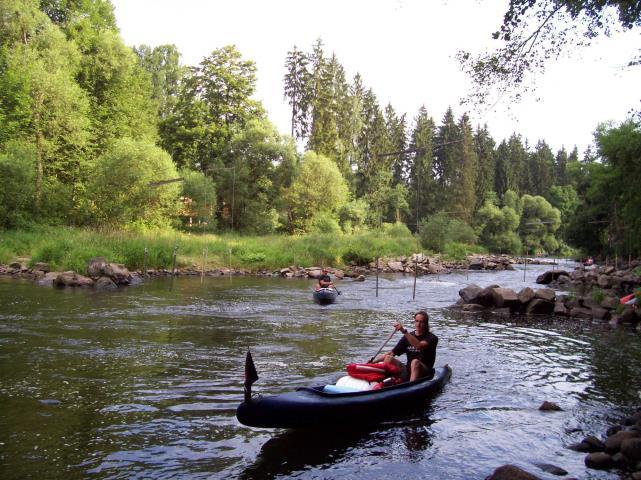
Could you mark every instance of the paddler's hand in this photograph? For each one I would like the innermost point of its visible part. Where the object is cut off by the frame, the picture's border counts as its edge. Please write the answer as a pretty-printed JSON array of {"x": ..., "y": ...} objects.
[{"x": 399, "y": 328}]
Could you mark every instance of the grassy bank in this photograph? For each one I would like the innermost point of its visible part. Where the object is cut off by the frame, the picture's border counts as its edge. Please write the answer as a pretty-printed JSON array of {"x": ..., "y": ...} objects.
[{"x": 67, "y": 248}]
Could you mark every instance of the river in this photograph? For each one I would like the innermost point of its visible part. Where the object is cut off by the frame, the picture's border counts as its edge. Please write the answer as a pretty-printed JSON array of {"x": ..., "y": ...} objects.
[{"x": 144, "y": 382}]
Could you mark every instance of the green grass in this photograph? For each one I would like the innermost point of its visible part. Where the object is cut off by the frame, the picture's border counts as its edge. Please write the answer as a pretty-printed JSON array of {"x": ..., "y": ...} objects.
[{"x": 66, "y": 248}]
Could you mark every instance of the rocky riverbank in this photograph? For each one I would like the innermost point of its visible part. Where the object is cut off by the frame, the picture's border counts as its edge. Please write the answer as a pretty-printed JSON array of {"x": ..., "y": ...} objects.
[{"x": 119, "y": 275}]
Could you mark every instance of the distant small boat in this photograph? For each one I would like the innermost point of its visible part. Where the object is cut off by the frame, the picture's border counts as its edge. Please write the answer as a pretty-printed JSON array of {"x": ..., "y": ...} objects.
[{"x": 325, "y": 296}]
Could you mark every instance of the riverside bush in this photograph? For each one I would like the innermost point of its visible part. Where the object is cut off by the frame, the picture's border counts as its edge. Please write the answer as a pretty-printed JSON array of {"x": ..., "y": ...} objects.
[{"x": 66, "y": 248}]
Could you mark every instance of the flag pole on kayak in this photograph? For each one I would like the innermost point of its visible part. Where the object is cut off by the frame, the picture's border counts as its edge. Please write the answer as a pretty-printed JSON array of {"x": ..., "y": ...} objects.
[
  {"x": 382, "y": 346},
  {"x": 250, "y": 375}
]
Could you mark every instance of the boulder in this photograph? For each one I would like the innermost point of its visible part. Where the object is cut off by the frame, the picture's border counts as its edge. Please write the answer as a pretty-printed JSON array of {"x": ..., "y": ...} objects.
[
  {"x": 579, "y": 312},
  {"x": 545, "y": 294},
  {"x": 629, "y": 315},
  {"x": 550, "y": 406},
  {"x": 470, "y": 292},
  {"x": 72, "y": 279},
  {"x": 613, "y": 442},
  {"x": 559, "y": 309},
  {"x": 96, "y": 267},
  {"x": 611, "y": 303},
  {"x": 550, "y": 276},
  {"x": 504, "y": 297},
  {"x": 553, "y": 469},
  {"x": 599, "y": 460},
  {"x": 118, "y": 273},
  {"x": 486, "y": 296},
  {"x": 48, "y": 279},
  {"x": 105, "y": 283},
  {"x": 41, "y": 267},
  {"x": 314, "y": 272},
  {"x": 603, "y": 281},
  {"x": 525, "y": 295},
  {"x": 396, "y": 266},
  {"x": 600, "y": 313},
  {"x": 631, "y": 448},
  {"x": 595, "y": 444},
  {"x": 538, "y": 306},
  {"x": 511, "y": 472}
]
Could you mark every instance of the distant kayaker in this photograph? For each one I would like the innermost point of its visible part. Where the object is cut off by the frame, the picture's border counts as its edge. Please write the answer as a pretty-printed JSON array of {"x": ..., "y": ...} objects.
[
  {"x": 325, "y": 281},
  {"x": 419, "y": 346}
]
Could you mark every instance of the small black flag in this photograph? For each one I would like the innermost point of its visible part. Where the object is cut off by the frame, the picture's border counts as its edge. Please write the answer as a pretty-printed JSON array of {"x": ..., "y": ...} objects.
[{"x": 250, "y": 375}]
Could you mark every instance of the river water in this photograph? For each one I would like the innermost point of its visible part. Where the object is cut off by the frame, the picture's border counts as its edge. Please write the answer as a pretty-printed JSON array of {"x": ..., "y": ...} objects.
[{"x": 144, "y": 382}]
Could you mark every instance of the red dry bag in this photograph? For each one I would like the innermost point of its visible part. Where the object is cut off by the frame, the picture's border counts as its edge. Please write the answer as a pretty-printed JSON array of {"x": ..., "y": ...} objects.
[{"x": 372, "y": 372}]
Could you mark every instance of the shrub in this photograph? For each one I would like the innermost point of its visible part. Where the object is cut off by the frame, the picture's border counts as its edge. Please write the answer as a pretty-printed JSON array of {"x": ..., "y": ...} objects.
[{"x": 597, "y": 295}]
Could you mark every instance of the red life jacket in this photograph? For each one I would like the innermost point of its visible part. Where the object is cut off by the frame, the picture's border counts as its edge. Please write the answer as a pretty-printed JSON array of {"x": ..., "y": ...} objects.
[{"x": 372, "y": 372}]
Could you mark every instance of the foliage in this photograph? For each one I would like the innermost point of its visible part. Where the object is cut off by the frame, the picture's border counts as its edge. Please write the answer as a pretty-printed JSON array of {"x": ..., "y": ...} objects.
[
  {"x": 497, "y": 226},
  {"x": 16, "y": 177},
  {"x": 539, "y": 222},
  {"x": 199, "y": 198},
  {"x": 123, "y": 185},
  {"x": 440, "y": 229},
  {"x": 318, "y": 187},
  {"x": 535, "y": 31},
  {"x": 352, "y": 216}
]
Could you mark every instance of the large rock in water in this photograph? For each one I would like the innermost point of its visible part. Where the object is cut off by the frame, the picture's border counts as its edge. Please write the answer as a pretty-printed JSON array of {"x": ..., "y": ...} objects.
[
  {"x": 470, "y": 292},
  {"x": 550, "y": 276},
  {"x": 72, "y": 279},
  {"x": 525, "y": 295},
  {"x": 100, "y": 267},
  {"x": 511, "y": 472},
  {"x": 538, "y": 306},
  {"x": 504, "y": 297}
]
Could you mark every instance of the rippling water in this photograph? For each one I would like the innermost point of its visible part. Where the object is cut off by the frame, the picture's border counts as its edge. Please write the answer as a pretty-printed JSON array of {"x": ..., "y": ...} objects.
[{"x": 144, "y": 382}]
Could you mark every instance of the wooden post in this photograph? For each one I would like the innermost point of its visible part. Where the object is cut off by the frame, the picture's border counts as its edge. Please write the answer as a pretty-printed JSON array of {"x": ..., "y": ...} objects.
[
  {"x": 202, "y": 271},
  {"x": 376, "y": 277},
  {"x": 144, "y": 264},
  {"x": 467, "y": 271},
  {"x": 173, "y": 267},
  {"x": 524, "y": 264},
  {"x": 230, "y": 263},
  {"x": 415, "y": 274}
]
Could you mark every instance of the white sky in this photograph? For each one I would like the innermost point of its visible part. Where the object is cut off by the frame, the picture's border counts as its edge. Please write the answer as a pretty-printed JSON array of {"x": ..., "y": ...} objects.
[{"x": 403, "y": 49}]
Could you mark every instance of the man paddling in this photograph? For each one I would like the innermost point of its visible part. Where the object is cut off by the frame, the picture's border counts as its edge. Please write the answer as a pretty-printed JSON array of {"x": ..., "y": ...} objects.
[
  {"x": 419, "y": 346},
  {"x": 324, "y": 281}
]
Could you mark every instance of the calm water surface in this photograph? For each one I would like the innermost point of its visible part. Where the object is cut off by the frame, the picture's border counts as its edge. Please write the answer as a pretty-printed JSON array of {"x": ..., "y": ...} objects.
[{"x": 144, "y": 382}]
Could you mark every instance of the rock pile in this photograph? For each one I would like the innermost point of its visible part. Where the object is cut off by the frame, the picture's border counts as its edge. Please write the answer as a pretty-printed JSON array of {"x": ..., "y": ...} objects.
[
  {"x": 621, "y": 447},
  {"x": 606, "y": 279},
  {"x": 545, "y": 301}
]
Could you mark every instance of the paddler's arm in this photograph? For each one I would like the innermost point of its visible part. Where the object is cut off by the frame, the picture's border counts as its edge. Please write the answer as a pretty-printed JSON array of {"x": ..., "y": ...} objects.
[{"x": 411, "y": 339}]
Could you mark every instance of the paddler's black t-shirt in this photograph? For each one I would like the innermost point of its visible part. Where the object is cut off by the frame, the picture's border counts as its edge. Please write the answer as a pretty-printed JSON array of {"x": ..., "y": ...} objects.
[{"x": 426, "y": 356}]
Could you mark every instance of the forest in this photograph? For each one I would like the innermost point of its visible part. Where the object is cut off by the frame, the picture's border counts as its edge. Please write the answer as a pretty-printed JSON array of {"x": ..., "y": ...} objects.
[{"x": 95, "y": 134}]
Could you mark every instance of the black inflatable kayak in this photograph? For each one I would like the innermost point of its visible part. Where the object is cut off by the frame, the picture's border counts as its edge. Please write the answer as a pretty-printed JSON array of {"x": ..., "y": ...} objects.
[
  {"x": 325, "y": 296},
  {"x": 312, "y": 407}
]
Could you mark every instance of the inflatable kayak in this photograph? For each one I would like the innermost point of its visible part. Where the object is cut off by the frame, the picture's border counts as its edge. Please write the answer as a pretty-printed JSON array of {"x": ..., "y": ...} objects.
[
  {"x": 325, "y": 296},
  {"x": 318, "y": 406}
]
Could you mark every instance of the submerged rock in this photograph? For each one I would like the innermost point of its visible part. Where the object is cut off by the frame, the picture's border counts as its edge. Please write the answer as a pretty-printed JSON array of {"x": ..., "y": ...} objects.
[{"x": 511, "y": 472}]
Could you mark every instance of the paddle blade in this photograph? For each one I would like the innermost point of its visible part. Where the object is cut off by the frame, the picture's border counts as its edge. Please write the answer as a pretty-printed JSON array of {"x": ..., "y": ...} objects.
[{"x": 250, "y": 375}]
